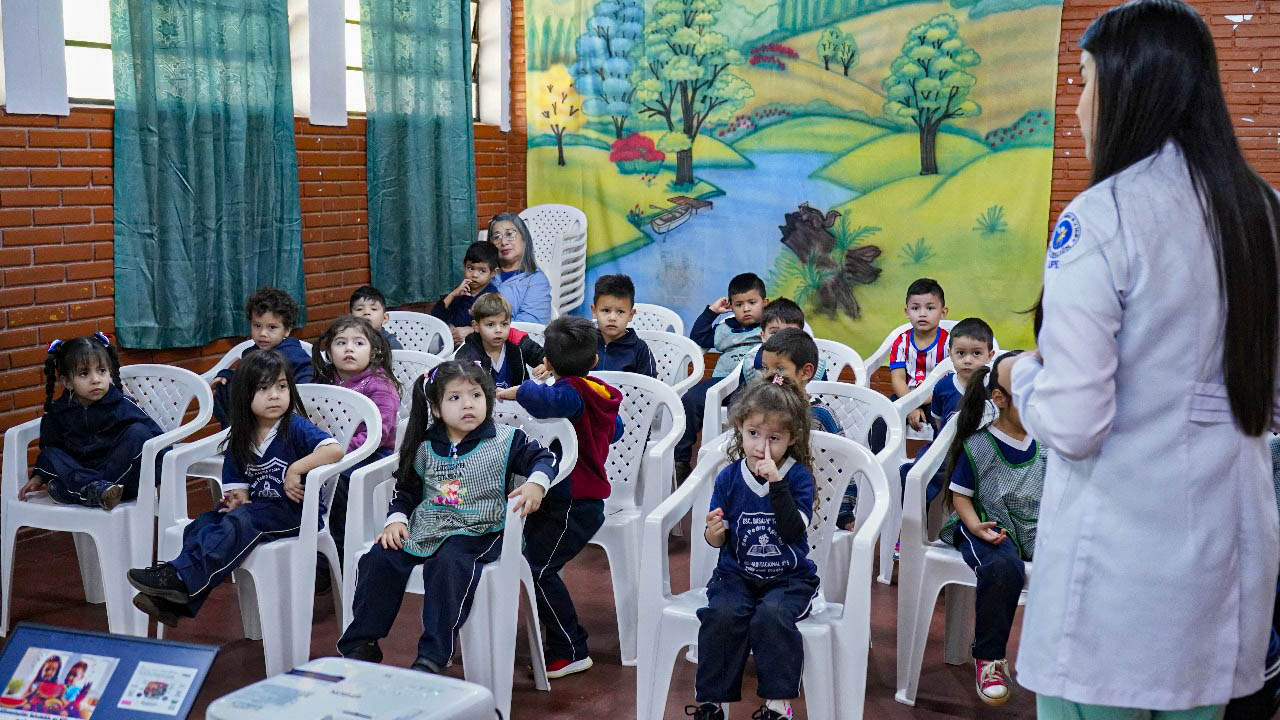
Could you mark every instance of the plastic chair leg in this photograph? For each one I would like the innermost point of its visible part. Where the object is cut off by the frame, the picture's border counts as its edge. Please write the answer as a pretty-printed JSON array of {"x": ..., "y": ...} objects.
[
  {"x": 819, "y": 679},
  {"x": 624, "y": 564},
  {"x": 90, "y": 568},
  {"x": 7, "y": 544},
  {"x": 533, "y": 629},
  {"x": 837, "y": 574},
  {"x": 330, "y": 551},
  {"x": 246, "y": 593},
  {"x": 889, "y": 534},
  {"x": 960, "y": 610},
  {"x": 913, "y": 635},
  {"x": 653, "y": 676}
]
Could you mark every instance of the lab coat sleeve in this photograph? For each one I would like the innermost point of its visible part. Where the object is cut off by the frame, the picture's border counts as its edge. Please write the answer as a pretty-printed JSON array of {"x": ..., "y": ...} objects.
[{"x": 1068, "y": 401}]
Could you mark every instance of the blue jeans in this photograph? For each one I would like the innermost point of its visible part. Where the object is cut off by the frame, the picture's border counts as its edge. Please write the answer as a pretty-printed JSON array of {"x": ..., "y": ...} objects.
[{"x": 1001, "y": 573}]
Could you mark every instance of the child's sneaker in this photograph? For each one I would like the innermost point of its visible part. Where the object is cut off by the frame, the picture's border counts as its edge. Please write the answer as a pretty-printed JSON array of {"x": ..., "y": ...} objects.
[
  {"x": 993, "y": 683},
  {"x": 562, "y": 667},
  {"x": 705, "y": 711},
  {"x": 160, "y": 580},
  {"x": 368, "y": 652},
  {"x": 111, "y": 496},
  {"x": 424, "y": 665},
  {"x": 764, "y": 713}
]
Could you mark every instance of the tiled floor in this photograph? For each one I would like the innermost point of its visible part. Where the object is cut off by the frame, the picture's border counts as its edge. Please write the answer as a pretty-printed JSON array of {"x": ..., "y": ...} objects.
[{"x": 605, "y": 692}]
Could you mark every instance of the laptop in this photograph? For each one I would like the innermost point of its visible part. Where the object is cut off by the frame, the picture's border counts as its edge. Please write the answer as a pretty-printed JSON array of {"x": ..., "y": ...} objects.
[{"x": 54, "y": 672}]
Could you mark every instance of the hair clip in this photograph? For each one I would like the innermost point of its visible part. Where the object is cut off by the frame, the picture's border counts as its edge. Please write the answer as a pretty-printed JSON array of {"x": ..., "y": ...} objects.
[
  {"x": 53, "y": 346},
  {"x": 431, "y": 374},
  {"x": 102, "y": 338},
  {"x": 777, "y": 379},
  {"x": 478, "y": 364}
]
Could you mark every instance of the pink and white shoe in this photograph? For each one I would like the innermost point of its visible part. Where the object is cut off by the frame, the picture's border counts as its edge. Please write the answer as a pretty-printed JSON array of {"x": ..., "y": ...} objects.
[{"x": 994, "y": 687}]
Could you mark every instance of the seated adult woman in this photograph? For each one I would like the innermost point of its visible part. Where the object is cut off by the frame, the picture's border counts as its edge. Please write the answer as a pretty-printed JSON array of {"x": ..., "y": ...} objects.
[{"x": 519, "y": 280}]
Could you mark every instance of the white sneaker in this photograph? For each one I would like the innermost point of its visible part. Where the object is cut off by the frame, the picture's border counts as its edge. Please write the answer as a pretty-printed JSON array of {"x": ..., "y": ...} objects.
[
  {"x": 560, "y": 668},
  {"x": 994, "y": 687}
]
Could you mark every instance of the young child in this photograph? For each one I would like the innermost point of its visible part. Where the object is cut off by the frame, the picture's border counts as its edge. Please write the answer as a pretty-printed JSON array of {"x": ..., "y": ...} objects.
[
  {"x": 997, "y": 477},
  {"x": 778, "y": 314},
  {"x": 75, "y": 689},
  {"x": 269, "y": 450},
  {"x": 969, "y": 345},
  {"x": 91, "y": 438},
  {"x": 503, "y": 353},
  {"x": 763, "y": 582},
  {"x": 792, "y": 354},
  {"x": 369, "y": 303},
  {"x": 479, "y": 266},
  {"x": 272, "y": 315},
  {"x": 447, "y": 514},
  {"x": 573, "y": 511},
  {"x": 920, "y": 347},
  {"x": 734, "y": 337},
  {"x": 353, "y": 355},
  {"x": 620, "y": 348}
]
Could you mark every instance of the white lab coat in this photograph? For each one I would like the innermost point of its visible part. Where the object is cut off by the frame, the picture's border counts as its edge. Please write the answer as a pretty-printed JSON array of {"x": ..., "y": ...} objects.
[{"x": 1157, "y": 553}]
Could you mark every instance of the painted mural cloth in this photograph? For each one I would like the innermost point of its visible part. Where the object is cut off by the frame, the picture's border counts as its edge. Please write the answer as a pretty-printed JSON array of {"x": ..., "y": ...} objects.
[{"x": 838, "y": 148}]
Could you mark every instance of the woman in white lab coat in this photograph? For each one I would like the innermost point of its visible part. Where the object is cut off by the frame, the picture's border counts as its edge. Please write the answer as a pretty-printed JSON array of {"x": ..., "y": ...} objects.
[{"x": 1154, "y": 386}]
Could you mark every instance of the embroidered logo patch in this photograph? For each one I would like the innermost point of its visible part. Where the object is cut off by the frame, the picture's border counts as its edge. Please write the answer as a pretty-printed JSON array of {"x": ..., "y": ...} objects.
[{"x": 1065, "y": 236}]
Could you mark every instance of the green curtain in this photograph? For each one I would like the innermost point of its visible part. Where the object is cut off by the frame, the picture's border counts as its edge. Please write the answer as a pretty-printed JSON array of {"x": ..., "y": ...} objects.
[
  {"x": 206, "y": 175},
  {"x": 421, "y": 166}
]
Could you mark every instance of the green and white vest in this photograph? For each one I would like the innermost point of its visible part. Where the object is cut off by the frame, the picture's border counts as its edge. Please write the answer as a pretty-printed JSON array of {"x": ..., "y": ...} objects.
[
  {"x": 464, "y": 495},
  {"x": 1006, "y": 493}
]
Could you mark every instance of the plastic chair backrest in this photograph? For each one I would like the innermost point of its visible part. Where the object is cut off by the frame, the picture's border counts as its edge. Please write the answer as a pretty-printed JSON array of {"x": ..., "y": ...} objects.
[
  {"x": 643, "y": 398},
  {"x": 881, "y": 354},
  {"x": 712, "y": 423},
  {"x": 164, "y": 392},
  {"x": 656, "y": 317},
  {"x": 560, "y": 249},
  {"x": 915, "y": 523},
  {"x": 420, "y": 331},
  {"x": 838, "y": 356},
  {"x": 857, "y": 408},
  {"x": 544, "y": 431},
  {"x": 234, "y": 354},
  {"x": 679, "y": 359},
  {"x": 340, "y": 412},
  {"x": 408, "y": 365},
  {"x": 536, "y": 331}
]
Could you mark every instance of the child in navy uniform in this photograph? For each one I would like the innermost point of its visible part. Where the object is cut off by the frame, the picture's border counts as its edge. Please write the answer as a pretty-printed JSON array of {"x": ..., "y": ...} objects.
[
  {"x": 91, "y": 438},
  {"x": 764, "y": 582},
  {"x": 779, "y": 314},
  {"x": 272, "y": 317},
  {"x": 369, "y": 303},
  {"x": 793, "y": 354},
  {"x": 479, "y": 266},
  {"x": 734, "y": 337},
  {"x": 269, "y": 451},
  {"x": 447, "y": 514},
  {"x": 620, "y": 348},
  {"x": 969, "y": 345},
  {"x": 572, "y": 511},
  {"x": 504, "y": 353}
]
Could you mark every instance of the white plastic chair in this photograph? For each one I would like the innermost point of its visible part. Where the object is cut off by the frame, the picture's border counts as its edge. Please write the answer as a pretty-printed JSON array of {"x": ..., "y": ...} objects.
[
  {"x": 560, "y": 249},
  {"x": 639, "y": 467},
  {"x": 838, "y": 356},
  {"x": 925, "y": 567},
  {"x": 536, "y": 331},
  {"x": 407, "y": 366},
  {"x": 420, "y": 331},
  {"x": 715, "y": 417},
  {"x": 836, "y": 636},
  {"x": 857, "y": 408},
  {"x": 679, "y": 359},
  {"x": 276, "y": 582},
  {"x": 656, "y": 317},
  {"x": 107, "y": 543}
]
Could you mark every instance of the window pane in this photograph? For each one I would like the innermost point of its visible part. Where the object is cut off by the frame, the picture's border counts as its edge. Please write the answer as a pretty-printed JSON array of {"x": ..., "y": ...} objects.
[
  {"x": 354, "y": 58},
  {"x": 355, "y": 91},
  {"x": 89, "y": 73},
  {"x": 87, "y": 20}
]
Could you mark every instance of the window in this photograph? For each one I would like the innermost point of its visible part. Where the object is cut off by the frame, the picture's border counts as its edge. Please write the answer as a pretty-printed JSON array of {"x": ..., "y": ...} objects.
[
  {"x": 355, "y": 61},
  {"x": 86, "y": 25}
]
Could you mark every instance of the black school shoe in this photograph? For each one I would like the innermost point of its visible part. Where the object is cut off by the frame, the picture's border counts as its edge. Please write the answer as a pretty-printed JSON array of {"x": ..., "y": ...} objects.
[
  {"x": 424, "y": 665},
  {"x": 160, "y": 580},
  {"x": 705, "y": 711},
  {"x": 764, "y": 713},
  {"x": 163, "y": 611},
  {"x": 368, "y": 652}
]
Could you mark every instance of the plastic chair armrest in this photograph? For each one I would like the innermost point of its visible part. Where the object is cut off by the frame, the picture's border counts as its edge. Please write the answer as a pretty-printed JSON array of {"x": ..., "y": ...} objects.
[
  {"x": 173, "y": 475},
  {"x": 16, "y": 441},
  {"x": 655, "y": 566},
  {"x": 363, "y": 482}
]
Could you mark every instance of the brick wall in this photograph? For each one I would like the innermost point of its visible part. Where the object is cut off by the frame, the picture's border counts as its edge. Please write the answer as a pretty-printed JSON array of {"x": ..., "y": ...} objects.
[{"x": 55, "y": 196}]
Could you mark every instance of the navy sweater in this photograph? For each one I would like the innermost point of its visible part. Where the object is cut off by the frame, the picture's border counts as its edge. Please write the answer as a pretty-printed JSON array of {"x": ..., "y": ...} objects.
[
  {"x": 293, "y": 352},
  {"x": 626, "y": 354},
  {"x": 88, "y": 432}
]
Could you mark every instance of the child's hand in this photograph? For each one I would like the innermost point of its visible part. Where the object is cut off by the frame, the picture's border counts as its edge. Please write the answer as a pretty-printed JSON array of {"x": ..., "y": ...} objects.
[
  {"x": 506, "y": 393},
  {"x": 720, "y": 306},
  {"x": 464, "y": 288},
  {"x": 714, "y": 533},
  {"x": 35, "y": 484},
  {"x": 768, "y": 469},
  {"x": 293, "y": 488},
  {"x": 541, "y": 372},
  {"x": 393, "y": 536},
  {"x": 217, "y": 381},
  {"x": 528, "y": 498},
  {"x": 233, "y": 499},
  {"x": 991, "y": 532},
  {"x": 916, "y": 419}
]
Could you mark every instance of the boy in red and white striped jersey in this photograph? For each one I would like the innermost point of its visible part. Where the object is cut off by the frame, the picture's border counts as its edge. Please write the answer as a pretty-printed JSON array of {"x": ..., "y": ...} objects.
[{"x": 922, "y": 346}]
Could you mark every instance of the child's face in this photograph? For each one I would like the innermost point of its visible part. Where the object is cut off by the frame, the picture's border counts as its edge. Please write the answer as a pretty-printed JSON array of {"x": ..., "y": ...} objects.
[
  {"x": 74, "y": 676},
  {"x": 463, "y": 407},
  {"x": 510, "y": 243},
  {"x": 612, "y": 314},
  {"x": 267, "y": 330},
  {"x": 778, "y": 364},
  {"x": 371, "y": 310},
  {"x": 49, "y": 671},
  {"x": 924, "y": 312},
  {"x": 271, "y": 401},
  {"x": 493, "y": 331},
  {"x": 763, "y": 437},
  {"x": 774, "y": 326},
  {"x": 478, "y": 273},
  {"x": 967, "y": 355},
  {"x": 350, "y": 351},
  {"x": 748, "y": 306},
  {"x": 89, "y": 384}
]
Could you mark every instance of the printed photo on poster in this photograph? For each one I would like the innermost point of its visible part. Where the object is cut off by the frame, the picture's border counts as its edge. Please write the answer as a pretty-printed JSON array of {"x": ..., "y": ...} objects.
[
  {"x": 56, "y": 684},
  {"x": 157, "y": 688}
]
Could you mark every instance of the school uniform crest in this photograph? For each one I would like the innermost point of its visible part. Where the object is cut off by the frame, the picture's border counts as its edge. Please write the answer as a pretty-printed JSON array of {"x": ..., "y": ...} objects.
[{"x": 1065, "y": 236}]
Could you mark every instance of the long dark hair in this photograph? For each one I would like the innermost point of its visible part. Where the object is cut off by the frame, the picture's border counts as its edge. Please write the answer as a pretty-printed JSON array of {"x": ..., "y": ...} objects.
[
  {"x": 256, "y": 371},
  {"x": 528, "y": 265},
  {"x": 379, "y": 350},
  {"x": 428, "y": 393},
  {"x": 67, "y": 357},
  {"x": 1157, "y": 80},
  {"x": 973, "y": 408}
]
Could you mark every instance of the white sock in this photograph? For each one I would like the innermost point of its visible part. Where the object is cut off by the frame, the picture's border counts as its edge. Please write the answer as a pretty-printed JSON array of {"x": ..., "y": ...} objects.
[{"x": 782, "y": 707}]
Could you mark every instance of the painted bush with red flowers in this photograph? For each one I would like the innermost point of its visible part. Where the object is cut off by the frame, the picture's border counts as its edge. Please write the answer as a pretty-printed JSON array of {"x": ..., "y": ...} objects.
[
  {"x": 636, "y": 154},
  {"x": 1033, "y": 128},
  {"x": 770, "y": 56}
]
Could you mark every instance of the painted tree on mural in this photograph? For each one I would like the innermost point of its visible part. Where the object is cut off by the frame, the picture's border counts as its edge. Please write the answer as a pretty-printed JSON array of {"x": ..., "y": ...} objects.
[
  {"x": 560, "y": 107},
  {"x": 606, "y": 53},
  {"x": 685, "y": 76},
  {"x": 928, "y": 83}
]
